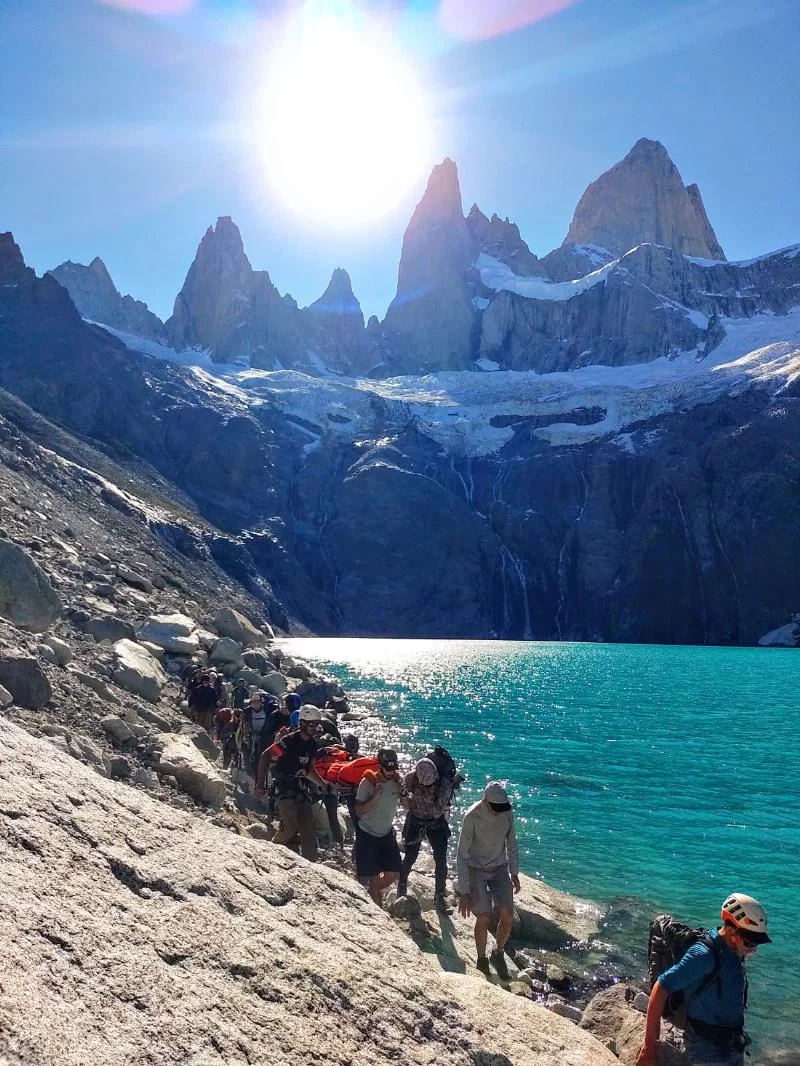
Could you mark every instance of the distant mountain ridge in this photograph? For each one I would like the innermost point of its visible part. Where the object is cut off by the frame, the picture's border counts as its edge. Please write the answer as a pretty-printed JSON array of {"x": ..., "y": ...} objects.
[{"x": 444, "y": 316}]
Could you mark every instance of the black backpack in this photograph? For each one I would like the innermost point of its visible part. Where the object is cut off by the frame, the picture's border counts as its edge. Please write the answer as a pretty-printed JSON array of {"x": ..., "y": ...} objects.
[
  {"x": 445, "y": 764},
  {"x": 669, "y": 941}
]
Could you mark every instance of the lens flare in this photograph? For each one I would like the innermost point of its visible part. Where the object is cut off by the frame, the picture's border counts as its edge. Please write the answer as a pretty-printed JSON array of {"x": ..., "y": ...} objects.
[
  {"x": 344, "y": 127},
  {"x": 478, "y": 20},
  {"x": 152, "y": 7}
]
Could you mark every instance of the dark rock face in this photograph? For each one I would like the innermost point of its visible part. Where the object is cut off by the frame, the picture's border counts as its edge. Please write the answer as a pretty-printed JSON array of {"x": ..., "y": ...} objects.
[
  {"x": 500, "y": 239},
  {"x": 231, "y": 309},
  {"x": 97, "y": 298},
  {"x": 641, "y": 200},
  {"x": 337, "y": 321},
  {"x": 429, "y": 324},
  {"x": 89, "y": 382}
]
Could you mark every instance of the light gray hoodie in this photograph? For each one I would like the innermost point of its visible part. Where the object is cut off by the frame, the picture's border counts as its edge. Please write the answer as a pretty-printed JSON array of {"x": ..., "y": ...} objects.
[{"x": 487, "y": 841}]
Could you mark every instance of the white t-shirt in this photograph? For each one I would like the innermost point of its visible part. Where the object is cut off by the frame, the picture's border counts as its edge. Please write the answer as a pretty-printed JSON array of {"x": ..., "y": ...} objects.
[{"x": 380, "y": 819}]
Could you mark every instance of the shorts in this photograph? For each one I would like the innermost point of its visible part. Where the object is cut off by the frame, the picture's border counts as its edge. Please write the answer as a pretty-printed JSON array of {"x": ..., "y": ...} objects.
[
  {"x": 705, "y": 1053},
  {"x": 491, "y": 889},
  {"x": 376, "y": 855}
]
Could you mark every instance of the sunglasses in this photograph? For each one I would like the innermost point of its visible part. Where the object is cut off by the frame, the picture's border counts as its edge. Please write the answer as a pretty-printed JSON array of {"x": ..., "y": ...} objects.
[
  {"x": 389, "y": 765},
  {"x": 500, "y": 807}
]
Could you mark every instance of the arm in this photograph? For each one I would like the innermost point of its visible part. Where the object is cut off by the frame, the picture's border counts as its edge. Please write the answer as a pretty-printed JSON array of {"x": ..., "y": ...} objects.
[
  {"x": 365, "y": 804},
  {"x": 462, "y": 857},
  {"x": 261, "y": 776},
  {"x": 512, "y": 851},
  {"x": 655, "y": 1008}
]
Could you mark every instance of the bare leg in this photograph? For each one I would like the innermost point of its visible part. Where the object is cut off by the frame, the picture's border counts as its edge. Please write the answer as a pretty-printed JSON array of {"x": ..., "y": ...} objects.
[
  {"x": 481, "y": 930},
  {"x": 503, "y": 931},
  {"x": 373, "y": 887}
]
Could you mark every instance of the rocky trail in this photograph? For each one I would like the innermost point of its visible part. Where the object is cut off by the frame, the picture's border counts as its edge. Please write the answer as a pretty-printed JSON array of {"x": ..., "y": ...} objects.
[{"x": 146, "y": 917}]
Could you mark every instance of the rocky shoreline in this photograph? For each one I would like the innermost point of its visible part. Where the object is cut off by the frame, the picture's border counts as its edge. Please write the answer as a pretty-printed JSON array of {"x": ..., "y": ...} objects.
[{"x": 144, "y": 914}]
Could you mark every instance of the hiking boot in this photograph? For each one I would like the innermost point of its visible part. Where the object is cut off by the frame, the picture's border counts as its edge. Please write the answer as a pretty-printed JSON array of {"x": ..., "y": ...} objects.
[
  {"x": 498, "y": 960},
  {"x": 441, "y": 904},
  {"x": 483, "y": 965}
]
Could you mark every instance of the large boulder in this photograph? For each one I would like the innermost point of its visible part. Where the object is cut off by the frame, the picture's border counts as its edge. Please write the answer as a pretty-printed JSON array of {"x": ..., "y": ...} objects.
[
  {"x": 226, "y": 652},
  {"x": 136, "y": 670},
  {"x": 274, "y": 683},
  {"x": 552, "y": 919},
  {"x": 612, "y": 1019},
  {"x": 61, "y": 650},
  {"x": 121, "y": 919},
  {"x": 176, "y": 633},
  {"x": 132, "y": 578},
  {"x": 258, "y": 661},
  {"x": 193, "y": 772},
  {"x": 26, "y": 596},
  {"x": 106, "y": 627},
  {"x": 231, "y": 623},
  {"x": 25, "y": 680}
]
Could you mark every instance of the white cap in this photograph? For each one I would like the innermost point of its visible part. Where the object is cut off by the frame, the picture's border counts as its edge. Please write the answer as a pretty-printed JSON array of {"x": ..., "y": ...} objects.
[
  {"x": 495, "y": 793},
  {"x": 310, "y": 713}
]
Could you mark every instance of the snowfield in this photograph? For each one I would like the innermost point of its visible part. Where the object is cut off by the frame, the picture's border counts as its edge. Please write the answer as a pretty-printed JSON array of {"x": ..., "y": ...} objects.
[{"x": 456, "y": 408}]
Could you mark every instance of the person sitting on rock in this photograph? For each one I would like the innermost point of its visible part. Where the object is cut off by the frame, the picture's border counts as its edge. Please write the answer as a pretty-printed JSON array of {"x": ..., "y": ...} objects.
[
  {"x": 488, "y": 872},
  {"x": 427, "y": 817},
  {"x": 203, "y": 703},
  {"x": 376, "y": 853},
  {"x": 292, "y": 769},
  {"x": 712, "y": 977}
]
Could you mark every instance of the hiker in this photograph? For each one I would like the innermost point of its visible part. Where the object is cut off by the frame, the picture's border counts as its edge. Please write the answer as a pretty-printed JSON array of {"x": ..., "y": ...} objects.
[
  {"x": 226, "y": 722},
  {"x": 376, "y": 854},
  {"x": 293, "y": 771},
  {"x": 255, "y": 733},
  {"x": 203, "y": 703},
  {"x": 292, "y": 702},
  {"x": 711, "y": 975},
  {"x": 190, "y": 677},
  {"x": 240, "y": 694},
  {"x": 429, "y": 803},
  {"x": 488, "y": 872}
]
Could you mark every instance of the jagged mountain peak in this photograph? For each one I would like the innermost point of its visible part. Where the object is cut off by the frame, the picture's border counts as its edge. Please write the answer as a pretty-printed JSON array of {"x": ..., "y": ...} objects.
[
  {"x": 642, "y": 199},
  {"x": 442, "y": 197},
  {"x": 338, "y": 298},
  {"x": 12, "y": 263}
]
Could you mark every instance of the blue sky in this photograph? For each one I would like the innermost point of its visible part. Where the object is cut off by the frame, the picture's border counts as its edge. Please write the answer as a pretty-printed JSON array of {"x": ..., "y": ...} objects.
[{"x": 125, "y": 135}]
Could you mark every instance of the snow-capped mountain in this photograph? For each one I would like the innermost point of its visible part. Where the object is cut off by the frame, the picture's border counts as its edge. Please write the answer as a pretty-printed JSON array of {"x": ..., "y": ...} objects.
[{"x": 590, "y": 445}]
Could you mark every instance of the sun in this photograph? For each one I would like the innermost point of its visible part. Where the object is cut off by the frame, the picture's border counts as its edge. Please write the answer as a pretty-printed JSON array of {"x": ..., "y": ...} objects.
[{"x": 345, "y": 127}]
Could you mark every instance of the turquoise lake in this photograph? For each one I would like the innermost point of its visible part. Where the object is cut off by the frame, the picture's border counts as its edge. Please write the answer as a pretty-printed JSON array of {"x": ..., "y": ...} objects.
[{"x": 661, "y": 778}]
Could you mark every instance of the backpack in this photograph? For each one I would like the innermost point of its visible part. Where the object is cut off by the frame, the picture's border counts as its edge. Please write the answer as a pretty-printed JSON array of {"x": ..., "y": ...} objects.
[
  {"x": 669, "y": 941},
  {"x": 449, "y": 776}
]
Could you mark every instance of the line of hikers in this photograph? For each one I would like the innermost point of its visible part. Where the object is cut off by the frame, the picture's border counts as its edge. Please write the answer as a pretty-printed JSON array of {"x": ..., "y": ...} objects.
[{"x": 298, "y": 758}]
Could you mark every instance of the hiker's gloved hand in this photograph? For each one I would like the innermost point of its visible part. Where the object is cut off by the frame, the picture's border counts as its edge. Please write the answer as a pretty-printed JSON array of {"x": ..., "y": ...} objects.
[{"x": 516, "y": 884}]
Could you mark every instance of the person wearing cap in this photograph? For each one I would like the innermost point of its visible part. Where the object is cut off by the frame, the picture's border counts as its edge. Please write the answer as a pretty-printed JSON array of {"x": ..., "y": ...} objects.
[
  {"x": 292, "y": 770},
  {"x": 376, "y": 853},
  {"x": 429, "y": 802},
  {"x": 488, "y": 872},
  {"x": 712, "y": 977}
]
